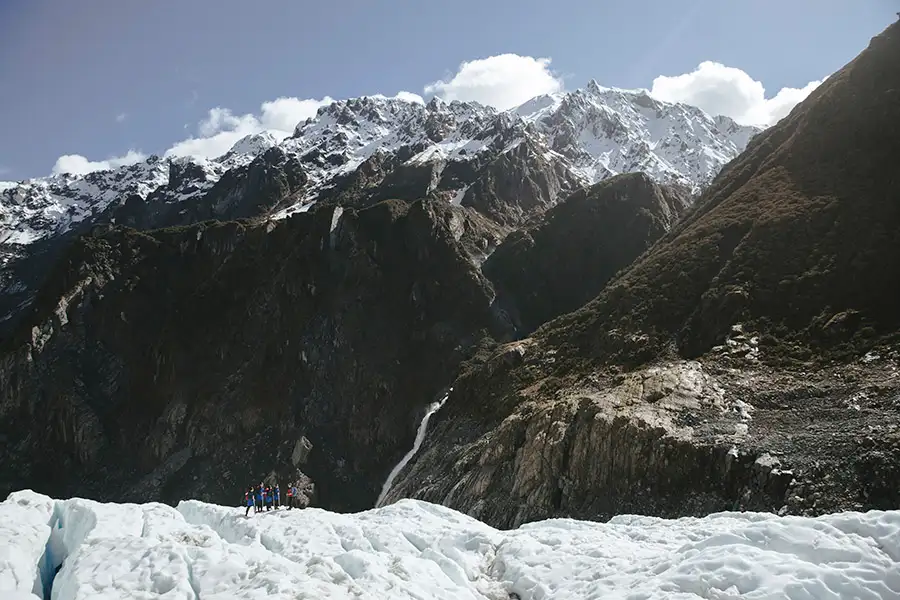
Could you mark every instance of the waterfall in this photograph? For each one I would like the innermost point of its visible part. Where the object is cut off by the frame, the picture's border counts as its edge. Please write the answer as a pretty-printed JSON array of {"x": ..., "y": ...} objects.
[{"x": 420, "y": 437}]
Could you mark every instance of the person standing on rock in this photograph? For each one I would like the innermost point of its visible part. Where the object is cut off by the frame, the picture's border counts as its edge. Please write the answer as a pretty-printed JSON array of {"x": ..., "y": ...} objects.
[
  {"x": 248, "y": 500},
  {"x": 290, "y": 495},
  {"x": 277, "y": 499}
]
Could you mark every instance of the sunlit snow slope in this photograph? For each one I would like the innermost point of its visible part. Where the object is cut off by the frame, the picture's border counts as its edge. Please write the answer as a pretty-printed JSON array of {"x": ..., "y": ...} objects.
[{"x": 414, "y": 549}]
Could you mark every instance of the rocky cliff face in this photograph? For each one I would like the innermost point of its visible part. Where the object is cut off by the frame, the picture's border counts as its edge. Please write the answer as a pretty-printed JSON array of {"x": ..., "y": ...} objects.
[
  {"x": 184, "y": 361},
  {"x": 239, "y": 186},
  {"x": 195, "y": 357},
  {"x": 778, "y": 288}
]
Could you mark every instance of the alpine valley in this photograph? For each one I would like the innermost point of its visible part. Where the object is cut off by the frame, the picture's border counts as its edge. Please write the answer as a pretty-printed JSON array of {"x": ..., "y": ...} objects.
[{"x": 603, "y": 303}]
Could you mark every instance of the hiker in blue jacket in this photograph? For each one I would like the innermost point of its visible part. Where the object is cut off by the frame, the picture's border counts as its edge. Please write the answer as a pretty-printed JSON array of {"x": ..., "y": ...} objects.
[
  {"x": 248, "y": 500},
  {"x": 277, "y": 493},
  {"x": 268, "y": 498},
  {"x": 259, "y": 498}
]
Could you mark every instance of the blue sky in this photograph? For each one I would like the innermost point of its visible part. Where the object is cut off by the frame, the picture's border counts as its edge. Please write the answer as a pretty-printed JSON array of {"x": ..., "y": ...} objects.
[{"x": 98, "y": 78}]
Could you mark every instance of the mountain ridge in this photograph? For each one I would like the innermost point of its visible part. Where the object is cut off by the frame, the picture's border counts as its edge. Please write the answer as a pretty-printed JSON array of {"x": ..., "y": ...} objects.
[
  {"x": 343, "y": 134},
  {"x": 508, "y": 165}
]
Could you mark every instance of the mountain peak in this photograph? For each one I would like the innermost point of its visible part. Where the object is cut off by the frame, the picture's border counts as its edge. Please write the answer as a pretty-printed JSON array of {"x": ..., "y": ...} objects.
[
  {"x": 595, "y": 88},
  {"x": 254, "y": 144}
]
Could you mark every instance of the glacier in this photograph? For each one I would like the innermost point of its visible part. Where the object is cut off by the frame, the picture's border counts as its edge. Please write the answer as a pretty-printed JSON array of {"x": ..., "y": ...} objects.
[{"x": 414, "y": 549}]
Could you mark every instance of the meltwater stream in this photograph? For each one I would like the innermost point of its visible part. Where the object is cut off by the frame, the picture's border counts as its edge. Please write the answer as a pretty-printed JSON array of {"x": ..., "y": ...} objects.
[{"x": 420, "y": 437}]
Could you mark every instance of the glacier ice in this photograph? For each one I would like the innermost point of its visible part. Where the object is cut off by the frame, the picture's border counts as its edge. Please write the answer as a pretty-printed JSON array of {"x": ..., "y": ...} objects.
[{"x": 413, "y": 549}]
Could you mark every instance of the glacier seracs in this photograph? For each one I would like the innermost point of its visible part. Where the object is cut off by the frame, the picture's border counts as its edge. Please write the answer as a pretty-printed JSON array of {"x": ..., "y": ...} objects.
[{"x": 413, "y": 549}]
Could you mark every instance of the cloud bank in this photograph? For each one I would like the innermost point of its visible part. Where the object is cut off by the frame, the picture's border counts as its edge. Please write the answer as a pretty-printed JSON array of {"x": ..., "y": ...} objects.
[
  {"x": 721, "y": 90},
  {"x": 221, "y": 129},
  {"x": 79, "y": 165}
]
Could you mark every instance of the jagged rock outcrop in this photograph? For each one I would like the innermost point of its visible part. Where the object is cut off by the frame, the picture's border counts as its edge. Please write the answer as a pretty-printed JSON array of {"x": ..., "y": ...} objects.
[
  {"x": 677, "y": 438},
  {"x": 511, "y": 178},
  {"x": 186, "y": 362},
  {"x": 564, "y": 260},
  {"x": 780, "y": 283},
  {"x": 272, "y": 180},
  {"x": 522, "y": 182}
]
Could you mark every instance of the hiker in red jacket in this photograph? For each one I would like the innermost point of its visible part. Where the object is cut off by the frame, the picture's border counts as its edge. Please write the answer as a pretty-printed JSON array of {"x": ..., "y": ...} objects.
[{"x": 290, "y": 496}]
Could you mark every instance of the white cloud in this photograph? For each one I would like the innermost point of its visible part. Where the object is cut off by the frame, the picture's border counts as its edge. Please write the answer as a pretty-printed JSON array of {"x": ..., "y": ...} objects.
[
  {"x": 120, "y": 118},
  {"x": 410, "y": 97},
  {"x": 221, "y": 128},
  {"x": 501, "y": 81},
  {"x": 77, "y": 164},
  {"x": 721, "y": 90},
  {"x": 284, "y": 114}
]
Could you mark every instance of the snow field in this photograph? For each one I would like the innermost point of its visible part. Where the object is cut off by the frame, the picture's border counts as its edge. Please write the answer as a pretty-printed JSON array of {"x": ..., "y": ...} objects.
[
  {"x": 413, "y": 549},
  {"x": 24, "y": 532}
]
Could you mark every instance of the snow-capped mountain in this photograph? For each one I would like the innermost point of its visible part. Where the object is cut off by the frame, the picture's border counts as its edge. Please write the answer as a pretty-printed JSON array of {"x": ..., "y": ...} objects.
[
  {"x": 37, "y": 208},
  {"x": 594, "y": 133},
  {"x": 607, "y": 131}
]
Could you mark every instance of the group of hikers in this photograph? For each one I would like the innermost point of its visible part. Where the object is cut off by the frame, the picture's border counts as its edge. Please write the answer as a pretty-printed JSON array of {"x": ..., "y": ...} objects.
[{"x": 264, "y": 497}]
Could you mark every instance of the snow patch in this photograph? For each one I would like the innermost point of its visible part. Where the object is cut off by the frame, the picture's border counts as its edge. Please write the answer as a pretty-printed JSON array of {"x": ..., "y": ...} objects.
[{"x": 457, "y": 198}]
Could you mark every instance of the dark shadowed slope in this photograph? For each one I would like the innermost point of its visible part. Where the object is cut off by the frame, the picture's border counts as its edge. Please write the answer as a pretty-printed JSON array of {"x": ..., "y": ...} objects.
[
  {"x": 160, "y": 363},
  {"x": 565, "y": 259},
  {"x": 194, "y": 358},
  {"x": 798, "y": 236}
]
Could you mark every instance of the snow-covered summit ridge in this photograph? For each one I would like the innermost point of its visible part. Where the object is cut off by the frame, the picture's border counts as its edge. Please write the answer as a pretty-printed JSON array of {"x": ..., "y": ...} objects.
[
  {"x": 595, "y": 132},
  {"x": 254, "y": 144},
  {"x": 413, "y": 549},
  {"x": 607, "y": 131}
]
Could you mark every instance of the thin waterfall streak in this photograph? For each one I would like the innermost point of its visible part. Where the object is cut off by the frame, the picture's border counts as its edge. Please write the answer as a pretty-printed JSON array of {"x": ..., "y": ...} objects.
[{"x": 420, "y": 437}]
